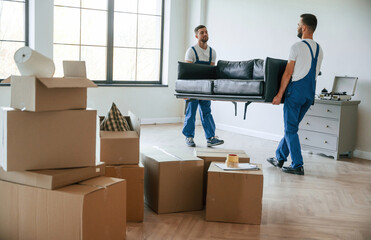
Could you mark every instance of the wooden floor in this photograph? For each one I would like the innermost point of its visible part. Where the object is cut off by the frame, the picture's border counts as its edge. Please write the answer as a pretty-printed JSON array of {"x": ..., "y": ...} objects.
[{"x": 331, "y": 201}]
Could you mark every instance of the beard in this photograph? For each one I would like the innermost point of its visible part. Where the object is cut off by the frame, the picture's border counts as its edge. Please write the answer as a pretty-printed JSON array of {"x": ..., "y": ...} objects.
[
  {"x": 300, "y": 34},
  {"x": 205, "y": 39}
]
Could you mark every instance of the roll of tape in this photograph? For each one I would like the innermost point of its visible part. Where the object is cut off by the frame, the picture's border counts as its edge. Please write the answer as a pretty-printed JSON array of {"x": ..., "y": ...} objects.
[{"x": 32, "y": 63}]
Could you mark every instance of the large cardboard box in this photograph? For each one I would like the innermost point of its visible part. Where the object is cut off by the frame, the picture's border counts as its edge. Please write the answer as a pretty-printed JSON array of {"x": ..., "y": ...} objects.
[
  {"x": 48, "y": 94},
  {"x": 93, "y": 209},
  {"x": 47, "y": 140},
  {"x": 172, "y": 180},
  {"x": 52, "y": 178},
  {"x": 121, "y": 147},
  {"x": 217, "y": 155},
  {"x": 234, "y": 196},
  {"x": 134, "y": 176}
]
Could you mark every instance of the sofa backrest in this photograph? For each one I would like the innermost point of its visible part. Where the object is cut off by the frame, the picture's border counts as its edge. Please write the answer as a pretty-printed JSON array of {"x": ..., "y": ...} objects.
[
  {"x": 235, "y": 69},
  {"x": 196, "y": 71}
]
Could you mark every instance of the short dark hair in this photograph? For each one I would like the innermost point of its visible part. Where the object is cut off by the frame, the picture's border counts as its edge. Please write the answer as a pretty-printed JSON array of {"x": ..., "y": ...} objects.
[
  {"x": 310, "y": 21},
  {"x": 198, "y": 28}
]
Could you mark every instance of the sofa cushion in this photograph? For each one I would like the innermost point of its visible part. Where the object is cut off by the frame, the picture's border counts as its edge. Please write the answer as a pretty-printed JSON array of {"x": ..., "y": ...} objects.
[
  {"x": 194, "y": 86},
  {"x": 196, "y": 71},
  {"x": 238, "y": 87},
  {"x": 258, "y": 72},
  {"x": 235, "y": 70}
]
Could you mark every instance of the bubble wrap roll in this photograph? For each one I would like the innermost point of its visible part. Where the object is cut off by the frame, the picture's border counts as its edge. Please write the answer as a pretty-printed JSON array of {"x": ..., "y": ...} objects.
[{"x": 32, "y": 63}]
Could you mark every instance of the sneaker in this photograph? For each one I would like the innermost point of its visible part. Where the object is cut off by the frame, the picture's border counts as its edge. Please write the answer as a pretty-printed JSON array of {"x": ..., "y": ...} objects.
[
  {"x": 190, "y": 142},
  {"x": 298, "y": 171},
  {"x": 214, "y": 141},
  {"x": 275, "y": 162}
]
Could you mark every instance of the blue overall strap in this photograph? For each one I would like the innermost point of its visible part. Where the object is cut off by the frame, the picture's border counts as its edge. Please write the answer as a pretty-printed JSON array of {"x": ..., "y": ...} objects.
[
  {"x": 210, "y": 55},
  {"x": 311, "y": 52},
  {"x": 197, "y": 60}
]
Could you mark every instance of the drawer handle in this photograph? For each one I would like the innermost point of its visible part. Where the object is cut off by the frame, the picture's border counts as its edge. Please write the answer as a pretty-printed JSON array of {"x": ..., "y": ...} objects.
[
  {"x": 325, "y": 141},
  {"x": 328, "y": 110},
  {"x": 307, "y": 123},
  {"x": 306, "y": 138},
  {"x": 327, "y": 126}
]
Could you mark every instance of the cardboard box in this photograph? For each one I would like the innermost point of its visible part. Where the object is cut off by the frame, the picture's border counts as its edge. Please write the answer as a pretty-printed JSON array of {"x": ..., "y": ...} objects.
[
  {"x": 48, "y": 94},
  {"x": 234, "y": 196},
  {"x": 47, "y": 140},
  {"x": 134, "y": 176},
  {"x": 121, "y": 147},
  {"x": 217, "y": 155},
  {"x": 93, "y": 209},
  {"x": 52, "y": 178},
  {"x": 172, "y": 180}
]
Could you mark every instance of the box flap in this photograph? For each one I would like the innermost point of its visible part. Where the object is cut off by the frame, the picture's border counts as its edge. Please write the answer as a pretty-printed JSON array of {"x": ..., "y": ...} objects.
[
  {"x": 214, "y": 168},
  {"x": 67, "y": 82},
  {"x": 7, "y": 80},
  {"x": 213, "y": 152},
  {"x": 101, "y": 182},
  {"x": 344, "y": 84},
  {"x": 135, "y": 121},
  {"x": 74, "y": 69},
  {"x": 169, "y": 155}
]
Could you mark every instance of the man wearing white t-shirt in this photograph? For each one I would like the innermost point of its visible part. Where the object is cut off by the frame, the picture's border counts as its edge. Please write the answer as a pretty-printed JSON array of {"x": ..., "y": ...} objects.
[
  {"x": 302, "y": 68},
  {"x": 200, "y": 53}
]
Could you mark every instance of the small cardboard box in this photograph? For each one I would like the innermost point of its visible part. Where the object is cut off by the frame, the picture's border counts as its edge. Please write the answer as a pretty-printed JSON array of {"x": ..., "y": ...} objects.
[
  {"x": 121, "y": 147},
  {"x": 217, "y": 155},
  {"x": 234, "y": 196},
  {"x": 172, "y": 180},
  {"x": 134, "y": 176},
  {"x": 92, "y": 209},
  {"x": 48, "y": 94},
  {"x": 52, "y": 178},
  {"x": 47, "y": 140}
]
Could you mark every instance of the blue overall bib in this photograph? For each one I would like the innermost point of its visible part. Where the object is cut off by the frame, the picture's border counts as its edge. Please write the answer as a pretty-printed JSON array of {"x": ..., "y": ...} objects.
[
  {"x": 205, "y": 111},
  {"x": 299, "y": 97}
]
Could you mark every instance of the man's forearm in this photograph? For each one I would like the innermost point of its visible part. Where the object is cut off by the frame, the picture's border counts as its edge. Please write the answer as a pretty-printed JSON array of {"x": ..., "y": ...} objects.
[{"x": 284, "y": 82}]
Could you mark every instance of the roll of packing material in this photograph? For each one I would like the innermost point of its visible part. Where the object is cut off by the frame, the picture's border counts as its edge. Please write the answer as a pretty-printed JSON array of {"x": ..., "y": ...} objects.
[{"x": 32, "y": 63}]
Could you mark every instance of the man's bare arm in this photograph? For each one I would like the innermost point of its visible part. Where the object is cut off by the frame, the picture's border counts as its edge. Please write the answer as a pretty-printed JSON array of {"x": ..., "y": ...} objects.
[{"x": 284, "y": 82}]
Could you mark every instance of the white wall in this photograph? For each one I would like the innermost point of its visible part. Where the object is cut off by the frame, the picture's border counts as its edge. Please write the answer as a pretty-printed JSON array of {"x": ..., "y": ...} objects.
[{"x": 247, "y": 29}]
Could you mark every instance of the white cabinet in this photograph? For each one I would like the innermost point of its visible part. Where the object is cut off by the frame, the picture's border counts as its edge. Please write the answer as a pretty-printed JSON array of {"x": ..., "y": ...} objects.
[{"x": 330, "y": 127}]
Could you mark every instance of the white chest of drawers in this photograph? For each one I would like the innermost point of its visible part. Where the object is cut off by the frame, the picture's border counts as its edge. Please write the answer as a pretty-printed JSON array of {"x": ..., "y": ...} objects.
[{"x": 329, "y": 127}]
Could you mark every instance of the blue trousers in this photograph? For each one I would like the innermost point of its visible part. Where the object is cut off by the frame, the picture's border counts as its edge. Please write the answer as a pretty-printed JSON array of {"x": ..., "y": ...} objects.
[
  {"x": 206, "y": 118},
  {"x": 294, "y": 110}
]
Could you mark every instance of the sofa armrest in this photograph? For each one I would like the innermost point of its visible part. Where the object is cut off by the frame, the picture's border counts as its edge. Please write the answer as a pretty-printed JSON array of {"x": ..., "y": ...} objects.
[{"x": 274, "y": 69}]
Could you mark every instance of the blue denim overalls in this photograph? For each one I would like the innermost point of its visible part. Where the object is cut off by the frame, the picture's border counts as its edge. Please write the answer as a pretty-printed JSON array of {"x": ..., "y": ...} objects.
[
  {"x": 298, "y": 98},
  {"x": 205, "y": 111}
]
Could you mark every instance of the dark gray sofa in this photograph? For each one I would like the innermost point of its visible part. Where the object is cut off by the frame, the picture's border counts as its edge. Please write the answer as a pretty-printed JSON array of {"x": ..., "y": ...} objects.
[{"x": 249, "y": 81}]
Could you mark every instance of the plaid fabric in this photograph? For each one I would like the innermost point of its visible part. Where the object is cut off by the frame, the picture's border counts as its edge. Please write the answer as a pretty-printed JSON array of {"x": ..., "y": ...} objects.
[{"x": 114, "y": 121}]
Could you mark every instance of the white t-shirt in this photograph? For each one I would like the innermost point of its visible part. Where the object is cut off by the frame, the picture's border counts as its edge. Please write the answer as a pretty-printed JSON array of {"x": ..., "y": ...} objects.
[
  {"x": 203, "y": 54},
  {"x": 300, "y": 53}
]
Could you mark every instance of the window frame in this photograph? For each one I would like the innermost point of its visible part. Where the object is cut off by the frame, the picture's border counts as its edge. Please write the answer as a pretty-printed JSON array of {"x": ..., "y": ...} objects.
[
  {"x": 26, "y": 29},
  {"x": 110, "y": 48}
]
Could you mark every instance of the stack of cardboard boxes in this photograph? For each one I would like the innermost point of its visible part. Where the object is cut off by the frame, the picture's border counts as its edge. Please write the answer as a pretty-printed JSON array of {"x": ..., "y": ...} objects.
[
  {"x": 120, "y": 152},
  {"x": 51, "y": 187}
]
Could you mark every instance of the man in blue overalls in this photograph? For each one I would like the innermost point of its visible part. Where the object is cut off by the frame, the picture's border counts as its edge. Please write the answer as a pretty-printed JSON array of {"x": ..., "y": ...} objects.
[
  {"x": 302, "y": 68},
  {"x": 200, "y": 53}
]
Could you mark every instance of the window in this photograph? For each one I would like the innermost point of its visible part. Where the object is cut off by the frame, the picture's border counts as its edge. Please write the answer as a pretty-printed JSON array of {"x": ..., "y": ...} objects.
[
  {"x": 13, "y": 34},
  {"x": 120, "y": 40}
]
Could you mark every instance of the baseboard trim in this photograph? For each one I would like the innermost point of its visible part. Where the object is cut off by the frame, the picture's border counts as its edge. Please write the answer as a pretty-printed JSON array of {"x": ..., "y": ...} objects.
[
  {"x": 362, "y": 154},
  {"x": 161, "y": 120},
  {"x": 249, "y": 132}
]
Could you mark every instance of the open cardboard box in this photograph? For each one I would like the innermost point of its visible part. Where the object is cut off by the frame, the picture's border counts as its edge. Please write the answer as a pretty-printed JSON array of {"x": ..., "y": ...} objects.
[
  {"x": 121, "y": 147},
  {"x": 34, "y": 94},
  {"x": 92, "y": 209}
]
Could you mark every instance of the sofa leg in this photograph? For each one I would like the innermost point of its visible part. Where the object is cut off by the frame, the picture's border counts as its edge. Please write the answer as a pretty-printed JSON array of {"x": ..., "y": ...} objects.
[
  {"x": 244, "y": 114},
  {"x": 235, "y": 108}
]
